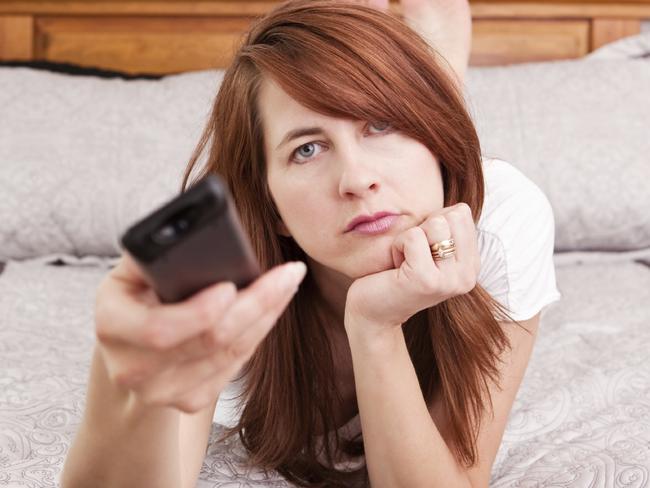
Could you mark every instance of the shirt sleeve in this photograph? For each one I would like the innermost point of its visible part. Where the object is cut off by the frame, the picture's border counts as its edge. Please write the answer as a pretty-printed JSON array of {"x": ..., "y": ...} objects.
[{"x": 516, "y": 244}]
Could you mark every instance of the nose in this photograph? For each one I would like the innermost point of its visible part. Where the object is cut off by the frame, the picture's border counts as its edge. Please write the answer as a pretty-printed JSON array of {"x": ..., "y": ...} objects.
[{"x": 357, "y": 174}]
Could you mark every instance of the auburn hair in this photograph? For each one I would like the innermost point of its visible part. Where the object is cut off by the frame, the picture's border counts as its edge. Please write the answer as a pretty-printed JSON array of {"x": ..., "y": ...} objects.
[{"x": 346, "y": 60}]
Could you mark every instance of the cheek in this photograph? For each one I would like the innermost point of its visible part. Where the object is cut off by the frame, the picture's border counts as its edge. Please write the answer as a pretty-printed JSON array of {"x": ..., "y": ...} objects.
[
  {"x": 422, "y": 179},
  {"x": 307, "y": 217},
  {"x": 438, "y": 193}
]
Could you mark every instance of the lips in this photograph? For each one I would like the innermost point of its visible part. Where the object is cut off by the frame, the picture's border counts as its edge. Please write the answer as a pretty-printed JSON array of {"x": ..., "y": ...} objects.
[{"x": 360, "y": 219}]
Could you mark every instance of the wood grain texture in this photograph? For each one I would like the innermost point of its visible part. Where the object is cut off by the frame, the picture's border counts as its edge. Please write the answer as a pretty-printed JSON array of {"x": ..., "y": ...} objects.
[
  {"x": 480, "y": 9},
  {"x": 140, "y": 8},
  {"x": 16, "y": 37},
  {"x": 141, "y": 45},
  {"x": 171, "y": 36},
  {"x": 560, "y": 9},
  {"x": 604, "y": 31},
  {"x": 499, "y": 42}
]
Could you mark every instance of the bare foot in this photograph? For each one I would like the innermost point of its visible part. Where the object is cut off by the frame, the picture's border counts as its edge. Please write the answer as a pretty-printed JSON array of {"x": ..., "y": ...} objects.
[{"x": 446, "y": 25}]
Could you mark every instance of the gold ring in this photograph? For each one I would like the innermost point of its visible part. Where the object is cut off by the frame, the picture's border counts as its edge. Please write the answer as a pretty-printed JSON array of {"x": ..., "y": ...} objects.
[{"x": 443, "y": 249}]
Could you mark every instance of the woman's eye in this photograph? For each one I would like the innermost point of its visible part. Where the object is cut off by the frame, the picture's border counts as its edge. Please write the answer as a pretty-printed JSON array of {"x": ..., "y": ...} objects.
[
  {"x": 305, "y": 151},
  {"x": 381, "y": 126}
]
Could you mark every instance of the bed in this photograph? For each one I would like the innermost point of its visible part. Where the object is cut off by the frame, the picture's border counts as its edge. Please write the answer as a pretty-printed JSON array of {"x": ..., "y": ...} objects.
[{"x": 578, "y": 126}]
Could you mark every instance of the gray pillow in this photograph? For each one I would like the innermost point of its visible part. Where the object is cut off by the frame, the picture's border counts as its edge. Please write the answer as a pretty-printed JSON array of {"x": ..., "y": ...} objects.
[
  {"x": 82, "y": 158},
  {"x": 580, "y": 129}
]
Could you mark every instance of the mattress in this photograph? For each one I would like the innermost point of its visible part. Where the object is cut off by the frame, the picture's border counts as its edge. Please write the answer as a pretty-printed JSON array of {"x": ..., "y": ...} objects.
[{"x": 581, "y": 417}]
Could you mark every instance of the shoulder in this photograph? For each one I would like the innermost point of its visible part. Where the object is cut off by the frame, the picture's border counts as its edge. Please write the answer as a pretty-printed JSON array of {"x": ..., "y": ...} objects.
[
  {"x": 516, "y": 235},
  {"x": 511, "y": 198},
  {"x": 515, "y": 210}
]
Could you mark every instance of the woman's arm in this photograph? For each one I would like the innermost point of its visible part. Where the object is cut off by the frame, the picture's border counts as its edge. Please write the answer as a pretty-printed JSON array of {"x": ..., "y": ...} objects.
[
  {"x": 154, "y": 385},
  {"x": 403, "y": 446},
  {"x": 122, "y": 443},
  {"x": 402, "y": 436}
]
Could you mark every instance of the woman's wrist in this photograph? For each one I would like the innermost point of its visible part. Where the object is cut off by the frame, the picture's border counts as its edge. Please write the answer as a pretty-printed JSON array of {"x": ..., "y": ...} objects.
[{"x": 371, "y": 336}]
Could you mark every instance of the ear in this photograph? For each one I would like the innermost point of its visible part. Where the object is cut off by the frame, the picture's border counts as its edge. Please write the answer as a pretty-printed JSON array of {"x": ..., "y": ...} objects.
[{"x": 282, "y": 229}]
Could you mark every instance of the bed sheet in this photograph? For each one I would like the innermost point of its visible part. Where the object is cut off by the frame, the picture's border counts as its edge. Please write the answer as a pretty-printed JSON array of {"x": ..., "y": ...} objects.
[{"x": 581, "y": 418}]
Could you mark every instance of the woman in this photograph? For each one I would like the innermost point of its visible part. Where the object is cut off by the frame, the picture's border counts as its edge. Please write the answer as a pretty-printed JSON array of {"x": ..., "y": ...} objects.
[{"x": 399, "y": 359}]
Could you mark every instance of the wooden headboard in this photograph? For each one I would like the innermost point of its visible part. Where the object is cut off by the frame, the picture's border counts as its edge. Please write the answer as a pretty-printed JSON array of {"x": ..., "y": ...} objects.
[{"x": 171, "y": 36}]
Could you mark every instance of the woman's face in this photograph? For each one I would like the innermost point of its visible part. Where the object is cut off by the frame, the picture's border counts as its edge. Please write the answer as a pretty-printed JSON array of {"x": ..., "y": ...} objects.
[{"x": 321, "y": 181}]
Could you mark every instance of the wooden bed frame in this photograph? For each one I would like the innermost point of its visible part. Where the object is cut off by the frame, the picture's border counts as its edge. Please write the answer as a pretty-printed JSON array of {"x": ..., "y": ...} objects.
[{"x": 171, "y": 36}]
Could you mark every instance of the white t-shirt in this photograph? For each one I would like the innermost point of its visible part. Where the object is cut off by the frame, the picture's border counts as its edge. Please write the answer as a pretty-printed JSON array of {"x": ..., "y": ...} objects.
[{"x": 516, "y": 234}]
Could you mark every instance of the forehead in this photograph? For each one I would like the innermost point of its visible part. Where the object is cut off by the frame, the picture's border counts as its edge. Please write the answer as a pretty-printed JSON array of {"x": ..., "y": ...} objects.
[{"x": 281, "y": 113}]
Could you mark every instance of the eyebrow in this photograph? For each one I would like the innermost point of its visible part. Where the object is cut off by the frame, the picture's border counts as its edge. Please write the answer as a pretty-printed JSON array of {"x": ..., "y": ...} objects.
[{"x": 296, "y": 133}]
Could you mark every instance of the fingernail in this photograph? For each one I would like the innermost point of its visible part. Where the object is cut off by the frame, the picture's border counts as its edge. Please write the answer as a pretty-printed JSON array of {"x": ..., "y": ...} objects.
[{"x": 297, "y": 269}]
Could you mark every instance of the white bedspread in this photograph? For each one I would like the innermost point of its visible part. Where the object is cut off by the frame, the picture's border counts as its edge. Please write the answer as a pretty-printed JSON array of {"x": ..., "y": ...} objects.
[{"x": 581, "y": 418}]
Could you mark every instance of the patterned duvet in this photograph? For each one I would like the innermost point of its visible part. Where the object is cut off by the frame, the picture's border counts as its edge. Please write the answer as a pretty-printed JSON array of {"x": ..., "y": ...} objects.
[{"x": 581, "y": 418}]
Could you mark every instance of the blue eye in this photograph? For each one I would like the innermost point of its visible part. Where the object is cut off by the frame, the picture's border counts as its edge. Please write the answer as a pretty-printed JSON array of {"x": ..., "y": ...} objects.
[
  {"x": 311, "y": 153},
  {"x": 299, "y": 153},
  {"x": 382, "y": 127}
]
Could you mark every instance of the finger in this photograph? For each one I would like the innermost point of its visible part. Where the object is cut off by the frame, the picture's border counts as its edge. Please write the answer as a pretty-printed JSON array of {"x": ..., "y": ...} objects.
[
  {"x": 413, "y": 245},
  {"x": 154, "y": 363},
  {"x": 441, "y": 226},
  {"x": 128, "y": 271},
  {"x": 180, "y": 380},
  {"x": 191, "y": 377},
  {"x": 468, "y": 254},
  {"x": 203, "y": 362},
  {"x": 452, "y": 208},
  {"x": 123, "y": 317},
  {"x": 437, "y": 229},
  {"x": 252, "y": 336},
  {"x": 431, "y": 234},
  {"x": 463, "y": 232},
  {"x": 462, "y": 267},
  {"x": 263, "y": 297},
  {"x": 269, "y": 294},
  {"x": 398, "y": 257}
]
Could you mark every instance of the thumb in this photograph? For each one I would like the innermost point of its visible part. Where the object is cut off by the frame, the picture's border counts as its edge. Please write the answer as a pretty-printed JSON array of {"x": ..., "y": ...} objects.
[{"x": 127, "y": 270}]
